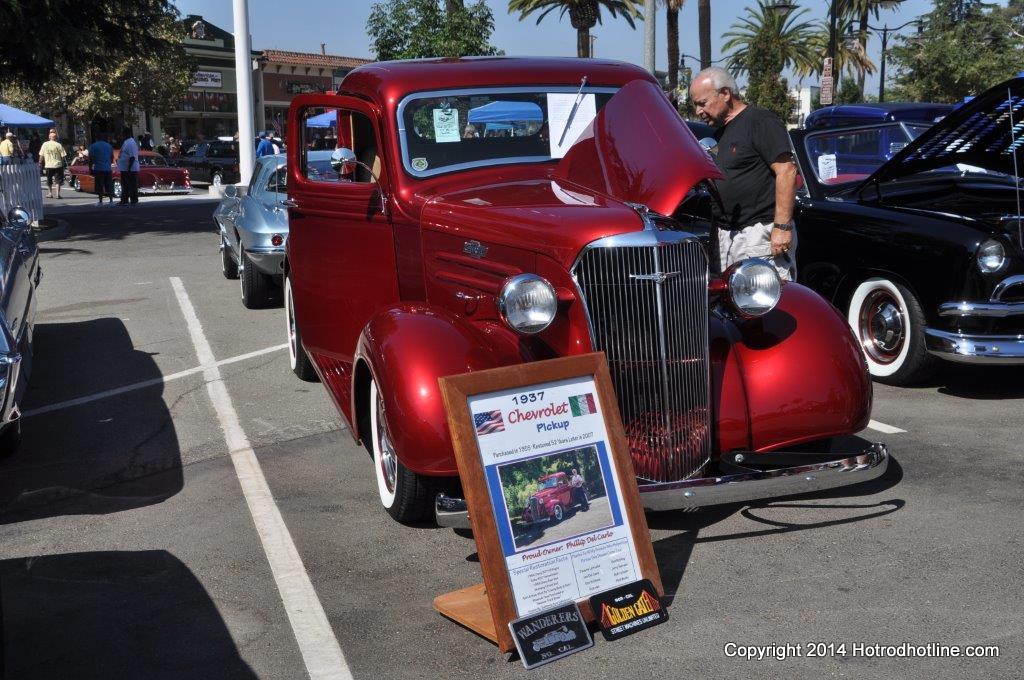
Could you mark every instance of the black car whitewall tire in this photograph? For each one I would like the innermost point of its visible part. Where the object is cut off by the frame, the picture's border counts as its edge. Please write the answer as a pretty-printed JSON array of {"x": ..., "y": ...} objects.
[
  {"x": 228, "y": 266},
  {"x": 407, "y": 496},
  {"x": 301, "y": 364},
  {"x": 217, "y": 179},
  {"x": 889, "y": 325}
]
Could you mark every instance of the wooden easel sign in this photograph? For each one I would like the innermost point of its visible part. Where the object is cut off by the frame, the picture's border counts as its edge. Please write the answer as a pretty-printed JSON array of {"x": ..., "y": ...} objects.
[{"x": 550, "y": 489}]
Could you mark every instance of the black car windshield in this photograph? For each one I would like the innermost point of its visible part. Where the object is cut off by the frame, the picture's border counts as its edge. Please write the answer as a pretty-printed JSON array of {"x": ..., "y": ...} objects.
[
  {"x": 446, "y": 131},
  {"x": 846, "y": 156}
]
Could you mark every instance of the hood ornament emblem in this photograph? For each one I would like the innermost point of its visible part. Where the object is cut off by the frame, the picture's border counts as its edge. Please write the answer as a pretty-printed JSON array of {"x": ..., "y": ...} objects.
[
  {"x": 474, "y": 249},
  {"x": 657, "y": 277}
]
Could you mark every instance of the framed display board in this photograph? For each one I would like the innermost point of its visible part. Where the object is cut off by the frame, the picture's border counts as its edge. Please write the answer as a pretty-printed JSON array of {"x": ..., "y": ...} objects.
[{"x": 550, "y": 490}]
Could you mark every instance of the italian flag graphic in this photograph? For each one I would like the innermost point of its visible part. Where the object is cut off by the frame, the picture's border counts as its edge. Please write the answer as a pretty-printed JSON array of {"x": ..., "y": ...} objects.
[{"x": 582, "y": 405}]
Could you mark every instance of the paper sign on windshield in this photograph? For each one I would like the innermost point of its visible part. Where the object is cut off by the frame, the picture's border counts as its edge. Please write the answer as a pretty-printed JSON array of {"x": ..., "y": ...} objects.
[
  {"x": 827, "y": 166},
  {"x": 446, "y": 125},
  {"x": 564, "y": 132}
]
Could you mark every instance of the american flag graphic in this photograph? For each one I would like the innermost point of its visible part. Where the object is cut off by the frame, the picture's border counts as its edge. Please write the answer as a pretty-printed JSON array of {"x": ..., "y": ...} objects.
[{"x": 488, "y": 422}]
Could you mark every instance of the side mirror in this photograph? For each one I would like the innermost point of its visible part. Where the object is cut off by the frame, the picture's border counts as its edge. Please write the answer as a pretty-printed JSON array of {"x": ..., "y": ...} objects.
[
  {"x": 231, "y": 191},
  {"x": 18, "y": 218},
  {"x": 709, "y": 144},
  {"x": 343, "y": 161}
]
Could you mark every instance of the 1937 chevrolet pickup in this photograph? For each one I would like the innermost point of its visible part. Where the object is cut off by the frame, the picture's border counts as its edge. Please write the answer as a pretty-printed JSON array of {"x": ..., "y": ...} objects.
[{"x": 489, "y": 211}]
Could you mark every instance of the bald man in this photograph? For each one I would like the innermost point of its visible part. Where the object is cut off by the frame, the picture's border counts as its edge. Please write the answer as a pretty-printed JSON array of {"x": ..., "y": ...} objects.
[{"x": 759, "y": 190}]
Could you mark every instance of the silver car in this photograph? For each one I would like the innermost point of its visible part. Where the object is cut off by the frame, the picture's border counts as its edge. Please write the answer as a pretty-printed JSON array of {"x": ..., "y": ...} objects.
[
  {"x": 253, "y": 229},
  {"x": 19, "y": 277}
]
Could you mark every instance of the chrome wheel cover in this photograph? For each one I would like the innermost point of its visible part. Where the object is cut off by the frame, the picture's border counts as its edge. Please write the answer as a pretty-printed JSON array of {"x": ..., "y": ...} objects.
[
  {"x": 289, "y": 311},
  {"x": 882, "y": 326},
  {"x": 388, "y": 459}
]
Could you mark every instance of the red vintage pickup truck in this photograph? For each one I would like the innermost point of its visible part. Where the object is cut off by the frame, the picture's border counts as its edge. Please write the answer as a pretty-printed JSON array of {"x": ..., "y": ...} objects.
[{"x": 490, "y": 211}]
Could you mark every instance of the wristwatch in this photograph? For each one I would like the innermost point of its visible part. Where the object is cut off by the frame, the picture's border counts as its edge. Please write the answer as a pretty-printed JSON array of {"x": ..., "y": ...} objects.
[{"x": 784, "y": 226}]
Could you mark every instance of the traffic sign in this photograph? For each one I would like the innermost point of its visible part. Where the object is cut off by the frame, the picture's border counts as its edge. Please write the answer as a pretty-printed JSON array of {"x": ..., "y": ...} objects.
[{"x": 825, "y": 96}]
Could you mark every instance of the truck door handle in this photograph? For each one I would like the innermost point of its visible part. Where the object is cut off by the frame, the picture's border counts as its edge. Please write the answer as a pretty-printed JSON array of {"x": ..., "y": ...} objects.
[{"x": 288, "y": 203}]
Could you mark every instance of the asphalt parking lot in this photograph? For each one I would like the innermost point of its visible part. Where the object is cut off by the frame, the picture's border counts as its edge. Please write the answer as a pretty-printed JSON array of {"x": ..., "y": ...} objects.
[{"x": 137, "y": 539}]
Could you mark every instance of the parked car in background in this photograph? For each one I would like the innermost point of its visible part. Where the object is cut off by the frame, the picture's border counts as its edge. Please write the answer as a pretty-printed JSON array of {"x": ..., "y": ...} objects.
[
  {"x": 914, "y": 231},
  {"x": 843, "y": 115},
  {"x": 253, "y": 229},
  {"x": 19, "y": 259},
  {"x": 427, "y": 253},
  {"x": 215, "y": 162},
  {"x": 156, "y": 176}
]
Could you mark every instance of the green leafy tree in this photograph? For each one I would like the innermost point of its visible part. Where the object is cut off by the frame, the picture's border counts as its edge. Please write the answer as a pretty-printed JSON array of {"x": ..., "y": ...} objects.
[
  {"x": 414, "y": 29},
  {"x": 583, "y": 14},
  {"x": 849, "y": 91},
  {"x": 790, "y": 42},
  {"x": 41, "y": 37},
  {"x": 851, "y": 57},
  {"x": 964, "y": 47},
  {"x": 151, "y": 81}
]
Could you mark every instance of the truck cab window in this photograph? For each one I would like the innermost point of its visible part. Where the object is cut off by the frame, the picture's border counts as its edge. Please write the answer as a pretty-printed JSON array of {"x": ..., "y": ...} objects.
[{"x": 327, "y": 129}]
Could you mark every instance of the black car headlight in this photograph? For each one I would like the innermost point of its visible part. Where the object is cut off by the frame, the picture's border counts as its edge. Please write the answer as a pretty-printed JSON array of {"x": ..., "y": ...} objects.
[
  {"x": 991, "y": 256},
  {"x": 528, "y": 303},
  {"x": 18, "y": 217},
  {"x": 754, "y": 287}
]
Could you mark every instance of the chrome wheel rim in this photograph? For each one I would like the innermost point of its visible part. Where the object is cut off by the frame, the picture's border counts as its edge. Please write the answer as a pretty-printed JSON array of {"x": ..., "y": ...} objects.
[
  {"x": 293, "y": 349},
  {"x": 217, "y": 180},
  {"x": 882, "y": 326},
  {"x": 558, "y": 513},
  {"x": 388, "y": 459}
]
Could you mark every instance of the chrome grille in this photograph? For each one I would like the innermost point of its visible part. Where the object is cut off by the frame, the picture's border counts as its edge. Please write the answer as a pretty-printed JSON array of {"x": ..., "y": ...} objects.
[{"x": 647, "y": 301}]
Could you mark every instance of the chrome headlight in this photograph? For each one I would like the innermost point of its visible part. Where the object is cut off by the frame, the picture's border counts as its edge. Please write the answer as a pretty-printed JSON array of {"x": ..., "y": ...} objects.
[
  {"x": 18, "y": 217},
  {"x": 754, "y": 287},
  {"x": 991, "y": 256},
  {"x": 528, "y": 303}
]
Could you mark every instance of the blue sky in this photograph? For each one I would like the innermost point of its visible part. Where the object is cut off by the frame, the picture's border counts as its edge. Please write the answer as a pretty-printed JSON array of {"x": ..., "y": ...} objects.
[{"x": 302, "y": 25}]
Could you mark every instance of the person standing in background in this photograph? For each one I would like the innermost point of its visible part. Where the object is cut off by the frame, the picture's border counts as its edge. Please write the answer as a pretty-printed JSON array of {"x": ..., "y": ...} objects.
[
  {"x": 266, "y": 146},
  {"x": 128, "y": 165},
  {"x": 7, "y": 149},
  {"x": 101, "y": 159},
  {"x": 51, "y": 158},
  {"x": 34, "y": 143}
]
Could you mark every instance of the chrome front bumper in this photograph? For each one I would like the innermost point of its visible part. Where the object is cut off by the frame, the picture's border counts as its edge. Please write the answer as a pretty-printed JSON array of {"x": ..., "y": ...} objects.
[
  {"x": 742, "y": 484},
  {"x": 975, "y": 349}
]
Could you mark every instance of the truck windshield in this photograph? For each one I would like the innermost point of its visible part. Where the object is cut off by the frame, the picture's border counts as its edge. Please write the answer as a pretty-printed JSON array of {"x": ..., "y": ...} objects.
[
  {"x": 549, "y": 483},
  {"x": 457, "y": 130}
]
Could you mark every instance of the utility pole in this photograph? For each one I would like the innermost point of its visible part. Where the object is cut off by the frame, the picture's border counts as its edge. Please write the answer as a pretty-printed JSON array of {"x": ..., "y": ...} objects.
[
  {"x": 243, "y": 83},
  {"x": 650, "y": 12}
]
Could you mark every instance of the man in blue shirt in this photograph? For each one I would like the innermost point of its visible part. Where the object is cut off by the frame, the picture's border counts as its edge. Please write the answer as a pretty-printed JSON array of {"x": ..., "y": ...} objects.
[
  {"x": 101, "y": 158},
  {"x": 266, "y": 146}
]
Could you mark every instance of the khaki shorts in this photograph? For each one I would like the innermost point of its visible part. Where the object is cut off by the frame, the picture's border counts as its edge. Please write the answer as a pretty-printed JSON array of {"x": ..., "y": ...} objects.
[{"x": 756, "y": 241}]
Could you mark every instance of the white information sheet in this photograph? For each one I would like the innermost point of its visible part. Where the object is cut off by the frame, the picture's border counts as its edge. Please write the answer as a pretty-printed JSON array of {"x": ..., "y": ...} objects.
[
  {"x": 827, "y": 166},
  {"x": 446, "y": 125},
  {"x": 560, "y": 106},
  {"x": 551, "y": 478}
]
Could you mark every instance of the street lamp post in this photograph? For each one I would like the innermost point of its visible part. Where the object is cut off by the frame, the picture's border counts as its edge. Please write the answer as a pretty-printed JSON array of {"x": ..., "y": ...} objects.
[{"x": 885, "y": 42}]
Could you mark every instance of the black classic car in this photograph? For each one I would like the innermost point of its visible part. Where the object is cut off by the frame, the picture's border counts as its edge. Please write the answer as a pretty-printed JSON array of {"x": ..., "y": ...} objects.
[
  {"x": 215, "y": 162},
  {"x": 19, "y": 265},
  {"x": 916, "y": 233}
]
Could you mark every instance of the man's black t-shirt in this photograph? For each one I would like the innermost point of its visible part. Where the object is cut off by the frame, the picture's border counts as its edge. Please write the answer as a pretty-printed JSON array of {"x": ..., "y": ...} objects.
[{"x": 747, "y": 146}]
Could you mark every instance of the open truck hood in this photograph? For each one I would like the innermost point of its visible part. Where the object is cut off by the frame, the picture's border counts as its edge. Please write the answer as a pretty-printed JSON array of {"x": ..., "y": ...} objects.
[
  {"x": 987, "y": 132},
  {"x": 638, "y": 149}
]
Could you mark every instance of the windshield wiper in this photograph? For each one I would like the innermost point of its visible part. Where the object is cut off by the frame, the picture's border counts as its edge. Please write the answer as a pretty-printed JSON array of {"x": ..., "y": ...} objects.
[{"x": 572, "y": 112}]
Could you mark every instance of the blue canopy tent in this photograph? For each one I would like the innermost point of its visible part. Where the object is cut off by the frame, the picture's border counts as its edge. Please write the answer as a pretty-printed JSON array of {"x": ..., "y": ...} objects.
[
  {"x": 324, "y": 120},
  {"x": 499, "y": 115},
  {"x": 12, "y": 117}
]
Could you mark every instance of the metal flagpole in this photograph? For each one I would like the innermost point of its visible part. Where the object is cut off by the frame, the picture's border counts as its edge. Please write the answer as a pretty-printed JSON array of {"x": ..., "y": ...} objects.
[{"x": 243, "y": 82}]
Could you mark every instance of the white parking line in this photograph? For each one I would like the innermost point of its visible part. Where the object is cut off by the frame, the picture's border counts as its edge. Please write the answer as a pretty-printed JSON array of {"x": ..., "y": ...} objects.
[
  {"x": 319, "y": 647},
  {"x": 147, "y": 383},
  {"x": 882, "y": 427}
]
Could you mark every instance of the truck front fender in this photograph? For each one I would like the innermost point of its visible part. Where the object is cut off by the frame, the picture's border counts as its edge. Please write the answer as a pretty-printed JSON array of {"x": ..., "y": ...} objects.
[{"x": 405, "y": 348}]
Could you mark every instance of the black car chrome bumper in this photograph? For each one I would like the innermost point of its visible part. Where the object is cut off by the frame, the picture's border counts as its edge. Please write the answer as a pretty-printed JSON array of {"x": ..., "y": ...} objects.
[
  {"x": 803, "y": 473},
  {"x": 975, "y": 349}
]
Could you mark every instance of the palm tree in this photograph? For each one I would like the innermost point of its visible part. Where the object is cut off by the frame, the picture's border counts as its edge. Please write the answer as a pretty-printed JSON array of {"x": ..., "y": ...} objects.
[
  {"x": 583, "y": 14},
  {"x": 704, "y": 31},
  {"x": 672, "y": 8},
  {"x": 795, "y": 40},
  {"x": 860, "y": 10},
  {"x": 851, "y": 56}
]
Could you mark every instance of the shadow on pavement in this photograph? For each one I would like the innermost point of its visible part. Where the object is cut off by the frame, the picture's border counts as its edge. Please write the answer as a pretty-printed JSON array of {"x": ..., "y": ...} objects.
[
  {"x": 103, "y": 456},
  {"x": 112, "y": 223},
  {"x": 977, "y": 382},
  {"x": 112, "y": 615}
]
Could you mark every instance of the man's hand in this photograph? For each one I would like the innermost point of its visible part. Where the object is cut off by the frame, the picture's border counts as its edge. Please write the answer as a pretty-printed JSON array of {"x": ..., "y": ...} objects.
[{"x": 781, "y": 241}]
